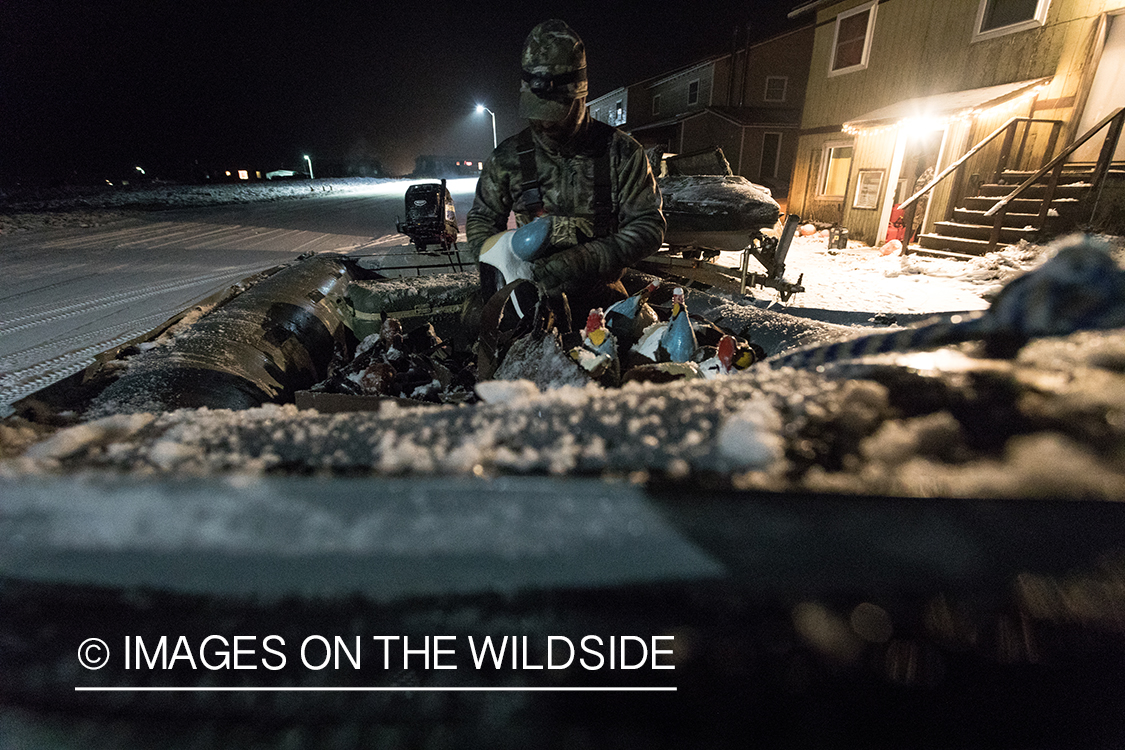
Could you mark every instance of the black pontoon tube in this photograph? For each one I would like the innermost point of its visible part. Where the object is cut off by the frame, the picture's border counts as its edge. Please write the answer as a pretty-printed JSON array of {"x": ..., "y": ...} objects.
[{"x": 262, "y": 346}]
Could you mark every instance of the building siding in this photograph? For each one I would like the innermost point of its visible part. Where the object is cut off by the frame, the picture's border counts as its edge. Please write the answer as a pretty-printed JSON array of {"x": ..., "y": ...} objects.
[{"x": 921, "y": 48}]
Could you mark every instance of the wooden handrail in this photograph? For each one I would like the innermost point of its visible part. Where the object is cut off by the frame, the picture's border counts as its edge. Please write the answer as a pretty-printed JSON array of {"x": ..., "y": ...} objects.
[
  {"x": 1057, "y": 161},
  {"x": 971, "y": 152}
]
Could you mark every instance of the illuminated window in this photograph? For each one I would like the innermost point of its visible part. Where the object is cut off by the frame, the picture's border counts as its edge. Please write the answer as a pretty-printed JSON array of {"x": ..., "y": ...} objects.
[
  {"x": 243, "y": 174},
  {"x": 656, "y": 104},
  {"x": 771, "y": 153},
  {"x": 999, "y": 17},
  {"x": 693, "y": 92},
  {"x": 775, "y": 88},
  {"x": 834, "y": 170},
  {"x": 852, "y": 43},
  {"x": 619, "y": 109}
]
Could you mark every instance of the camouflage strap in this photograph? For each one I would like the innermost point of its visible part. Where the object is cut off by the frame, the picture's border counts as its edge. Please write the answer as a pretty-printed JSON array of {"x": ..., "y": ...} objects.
[
  {"x": 605, "y": 217},
  {"x": 530, "y": 192}
]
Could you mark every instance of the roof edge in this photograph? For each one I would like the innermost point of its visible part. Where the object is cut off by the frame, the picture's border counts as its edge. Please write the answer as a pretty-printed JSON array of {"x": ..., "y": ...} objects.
[
  {"x": 989, "y": 96},
  {"x": 803, "y": 8}
]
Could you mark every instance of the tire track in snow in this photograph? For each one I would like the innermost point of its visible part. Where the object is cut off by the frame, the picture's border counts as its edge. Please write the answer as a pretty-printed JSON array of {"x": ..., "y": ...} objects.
[
  {"x": 18, "y": 383},
  {"x": 110, "y": 238},
  {"x": 42, "y": 314},
  {"x": 233, "y": 234},
  {"x": 28, "y": 357}
]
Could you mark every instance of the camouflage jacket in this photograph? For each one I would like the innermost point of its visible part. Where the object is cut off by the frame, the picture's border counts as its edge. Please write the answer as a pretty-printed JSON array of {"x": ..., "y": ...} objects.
[{"x": 566, "y": 180}]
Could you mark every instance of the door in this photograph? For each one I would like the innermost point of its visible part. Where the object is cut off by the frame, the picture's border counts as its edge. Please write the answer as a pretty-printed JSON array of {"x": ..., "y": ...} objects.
[{"x": 918, "y": 155}]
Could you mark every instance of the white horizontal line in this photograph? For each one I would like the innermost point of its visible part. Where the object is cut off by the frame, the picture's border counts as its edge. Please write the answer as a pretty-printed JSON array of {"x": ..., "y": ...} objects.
[{"x": 174, "y": 689}]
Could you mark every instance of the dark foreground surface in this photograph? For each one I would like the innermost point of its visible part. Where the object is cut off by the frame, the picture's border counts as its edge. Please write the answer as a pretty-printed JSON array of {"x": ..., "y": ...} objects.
[{"x": 783, "y": 621}]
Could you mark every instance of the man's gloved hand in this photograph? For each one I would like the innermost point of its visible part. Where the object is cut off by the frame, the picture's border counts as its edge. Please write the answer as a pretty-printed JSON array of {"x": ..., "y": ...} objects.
[{"x": 555, "y": 271}]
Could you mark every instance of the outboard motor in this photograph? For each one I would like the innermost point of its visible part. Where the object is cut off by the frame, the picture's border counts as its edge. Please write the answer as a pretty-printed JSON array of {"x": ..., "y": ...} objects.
[{"x": 431, "y": 218}]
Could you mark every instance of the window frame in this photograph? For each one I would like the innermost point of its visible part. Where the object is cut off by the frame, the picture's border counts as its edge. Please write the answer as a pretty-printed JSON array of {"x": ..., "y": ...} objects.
[
  {"x": 871, "y": 8},
  {"x": 656, "y": 104},
  {"x": 692, "y": 101},
  {"x": 822, "y": 176},
  {"x": 1037, "y": 21},
  {"x": 864, "y": 198},
  {"x": 784, "y": 88}
]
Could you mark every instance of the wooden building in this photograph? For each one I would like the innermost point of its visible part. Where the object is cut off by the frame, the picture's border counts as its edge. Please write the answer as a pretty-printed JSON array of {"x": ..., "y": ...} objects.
[
  {"x": 747, "y": 101},
  {"x": 898, "y": 90},
  {"x": 611, "y": 108}
]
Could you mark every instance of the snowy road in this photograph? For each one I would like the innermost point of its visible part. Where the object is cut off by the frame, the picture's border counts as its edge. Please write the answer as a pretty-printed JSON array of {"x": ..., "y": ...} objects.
[{"x": 71, "y": 293}]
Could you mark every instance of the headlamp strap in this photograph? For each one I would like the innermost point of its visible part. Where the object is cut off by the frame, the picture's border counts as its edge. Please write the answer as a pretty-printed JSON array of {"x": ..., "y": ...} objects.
[{"x": 541, "y": 84}]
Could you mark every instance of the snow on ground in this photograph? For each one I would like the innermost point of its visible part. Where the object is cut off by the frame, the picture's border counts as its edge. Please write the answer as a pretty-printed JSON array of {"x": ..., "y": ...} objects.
[
  {"x": 28, "y": 209},
  {"x": 1050, "y": 423},
  {"x": 863, "y": 279}
]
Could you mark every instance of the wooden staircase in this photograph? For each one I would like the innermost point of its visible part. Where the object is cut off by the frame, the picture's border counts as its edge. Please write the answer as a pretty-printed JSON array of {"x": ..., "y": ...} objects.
[
  {"x": 969, "y": 230},
  {"x": 1016, "y": 205}
]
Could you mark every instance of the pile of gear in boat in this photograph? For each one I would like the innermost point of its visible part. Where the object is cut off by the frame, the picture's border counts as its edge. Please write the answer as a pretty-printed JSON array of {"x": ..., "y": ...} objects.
[
  {"x": 636, "y": 339},
  {"x": 416, "y": 365}
]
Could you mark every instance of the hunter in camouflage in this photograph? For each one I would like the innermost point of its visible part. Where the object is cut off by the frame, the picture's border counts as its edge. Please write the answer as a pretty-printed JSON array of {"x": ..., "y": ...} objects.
[{"x": 577, "y": 161}]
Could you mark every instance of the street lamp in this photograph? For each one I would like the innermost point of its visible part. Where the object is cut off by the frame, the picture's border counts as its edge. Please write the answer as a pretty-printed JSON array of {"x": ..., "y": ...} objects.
[
  {"x": 310, "y": 166},
  {"x": 482, "y": 108}
]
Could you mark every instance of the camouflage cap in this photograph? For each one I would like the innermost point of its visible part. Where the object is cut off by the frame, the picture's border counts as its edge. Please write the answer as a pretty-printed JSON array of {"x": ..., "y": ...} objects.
[{"x": 554, "y": 71}]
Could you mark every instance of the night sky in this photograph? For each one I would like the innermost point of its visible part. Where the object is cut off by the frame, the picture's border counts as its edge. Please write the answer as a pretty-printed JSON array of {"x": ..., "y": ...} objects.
[{"x": 92, "y": 88}]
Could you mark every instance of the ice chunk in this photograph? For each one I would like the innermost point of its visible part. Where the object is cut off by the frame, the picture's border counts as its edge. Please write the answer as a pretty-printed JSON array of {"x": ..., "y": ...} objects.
[
  {"x": 750, "y": 437},
  {"x": 76, "y": 439},
  {"x": 506, "y": 391}
]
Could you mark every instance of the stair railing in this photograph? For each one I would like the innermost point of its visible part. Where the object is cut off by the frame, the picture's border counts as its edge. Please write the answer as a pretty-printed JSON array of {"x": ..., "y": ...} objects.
[
  {"x": 1008, "y": 130},
  {"x": 1113, "y": 121}
]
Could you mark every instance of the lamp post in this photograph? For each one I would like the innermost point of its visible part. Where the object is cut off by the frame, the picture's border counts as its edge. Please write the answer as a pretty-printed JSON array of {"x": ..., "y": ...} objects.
[
  {"x": 482, "y": 108},
  {"x": 310, "y": 166}
]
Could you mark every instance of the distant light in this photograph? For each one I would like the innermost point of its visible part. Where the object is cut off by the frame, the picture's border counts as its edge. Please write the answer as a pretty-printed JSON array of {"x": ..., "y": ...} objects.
[
  {"x": 480, "y": 109},
  {"x": 139, "y": 170},
  {"x": 243, "y": 174},
  {"x": 480, "y": 166},
  {"x": 468, "y": 164},
  {"x": 228, "y": 173}
]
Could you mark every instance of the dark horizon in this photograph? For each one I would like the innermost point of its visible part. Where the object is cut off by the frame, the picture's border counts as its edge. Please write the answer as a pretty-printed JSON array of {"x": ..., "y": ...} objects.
[{"x": 172, "y": 87}]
